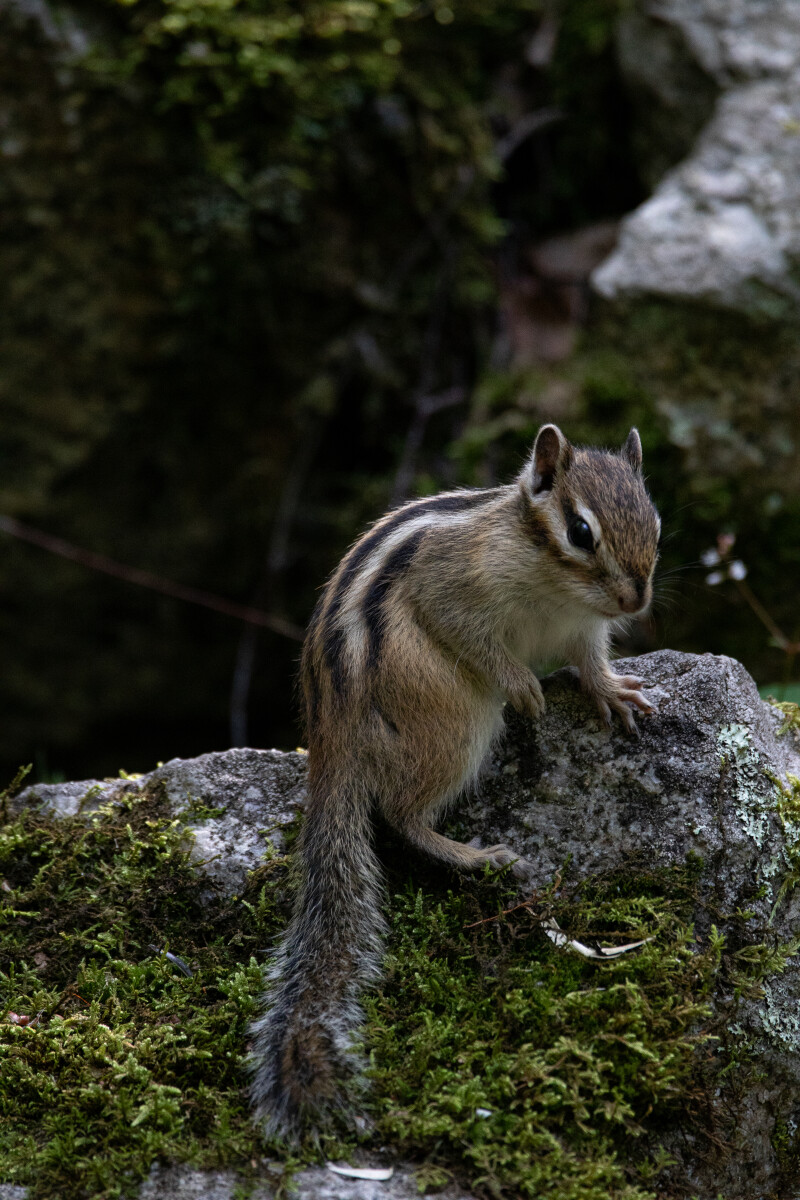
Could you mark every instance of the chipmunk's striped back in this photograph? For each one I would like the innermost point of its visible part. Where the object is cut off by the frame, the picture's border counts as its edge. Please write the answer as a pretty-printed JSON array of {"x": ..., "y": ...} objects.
[
  {"x": 431, "y": 621},
  {"x": 346, "y": 629}
]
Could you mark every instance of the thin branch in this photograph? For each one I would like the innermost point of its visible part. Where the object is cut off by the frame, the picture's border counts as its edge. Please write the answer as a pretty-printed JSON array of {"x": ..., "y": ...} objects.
[
  {"x": 499, "y": 916},
  {"x": 424, "y": 408},
  {"x": 766, "y": 620},
  {"x": 526, "y": 126},
  {"x": 275, "y": 564},
  {"x": 146, "y": 579}
]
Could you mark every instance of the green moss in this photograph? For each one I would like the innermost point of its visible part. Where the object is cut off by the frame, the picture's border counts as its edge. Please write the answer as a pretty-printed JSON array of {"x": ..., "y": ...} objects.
[
  {"x": 497, "y": 1059},
  {"x": 526, "y": 1070},
  {"x": 125, "y": 1060},
  {"x": 786, "y": 1144},
  {"x": 791, "y": 715}
]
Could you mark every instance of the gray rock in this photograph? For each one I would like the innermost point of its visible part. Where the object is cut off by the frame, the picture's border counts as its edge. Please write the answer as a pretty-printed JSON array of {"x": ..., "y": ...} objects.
[
  {"x": 315, "y": 1183},
  {"x": 700, "y": 779},
  {"x": 724, "y": 225},
  {"x": 697, "y": 780},
  {"x": 186, "y": 1183},
  {"x": 253, "y": 795},
  {"x": 234, "y": 803},
  {"x": 735, "y": 39},
  {"x": 563, "y": 787}
]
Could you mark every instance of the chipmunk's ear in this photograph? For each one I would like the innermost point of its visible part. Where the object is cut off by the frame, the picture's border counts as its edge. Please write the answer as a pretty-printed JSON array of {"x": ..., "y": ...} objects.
[
  {"x": 552, "y": 453},
  {"x": 632, "y": 450}
]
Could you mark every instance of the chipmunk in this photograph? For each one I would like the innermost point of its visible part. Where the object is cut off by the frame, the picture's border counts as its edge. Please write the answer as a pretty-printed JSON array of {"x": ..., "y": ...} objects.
[{"x": 429, "y": 624}]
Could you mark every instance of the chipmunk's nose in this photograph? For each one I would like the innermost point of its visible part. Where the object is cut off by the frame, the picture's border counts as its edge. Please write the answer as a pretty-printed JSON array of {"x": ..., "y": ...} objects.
[{"x": 635, "y": 596}]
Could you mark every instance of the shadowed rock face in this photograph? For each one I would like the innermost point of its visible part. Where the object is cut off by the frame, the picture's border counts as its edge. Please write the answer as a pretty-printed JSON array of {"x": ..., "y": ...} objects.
[{"x": 702, "y": 778}]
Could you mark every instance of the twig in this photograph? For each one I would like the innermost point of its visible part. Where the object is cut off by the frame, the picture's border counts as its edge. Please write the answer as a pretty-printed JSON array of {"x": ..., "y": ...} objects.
[
  {"x": 274, "y": 567},
  {"x": 487, "y": 920},
  {"x": 520, "y": 132},
  {"x": 424, "y": 409},
  {"x": 156, "y": 583},
  {"x": 764, "y": 617}
]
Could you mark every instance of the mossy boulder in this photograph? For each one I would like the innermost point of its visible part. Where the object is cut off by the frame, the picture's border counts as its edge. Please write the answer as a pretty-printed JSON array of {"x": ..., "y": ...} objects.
[{"x": 502, "y": 1064}]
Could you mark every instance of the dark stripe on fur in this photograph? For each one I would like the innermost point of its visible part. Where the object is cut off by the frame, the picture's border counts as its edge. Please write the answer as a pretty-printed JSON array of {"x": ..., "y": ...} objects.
[
  {"x": 333, "y": 649},
  {"x": 332, "y": 636},
  {"x": 533, "y": 524},
  {"x": 381, "y": 715},
  {"x": 612, "y": 489},
  {"x": 312, "y": 695},
  {"x": 396, "y": 565},
  {"x": 568, "y": 511}
]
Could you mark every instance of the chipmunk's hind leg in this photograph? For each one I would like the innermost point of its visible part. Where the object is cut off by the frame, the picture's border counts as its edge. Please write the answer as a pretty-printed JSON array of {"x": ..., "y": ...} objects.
[
  {"x": 426, "y": 787},
  {"x": 439, "y": 723},
  {"x": 459, "y": 854}
]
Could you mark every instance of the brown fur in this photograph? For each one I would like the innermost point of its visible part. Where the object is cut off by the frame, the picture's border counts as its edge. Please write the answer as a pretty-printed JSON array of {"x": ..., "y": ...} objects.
[{"x": 433, "y": 620}]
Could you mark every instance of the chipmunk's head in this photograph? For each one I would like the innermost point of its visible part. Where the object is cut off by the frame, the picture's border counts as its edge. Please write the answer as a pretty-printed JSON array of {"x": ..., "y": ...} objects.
[{"x": 591, "y": 512}]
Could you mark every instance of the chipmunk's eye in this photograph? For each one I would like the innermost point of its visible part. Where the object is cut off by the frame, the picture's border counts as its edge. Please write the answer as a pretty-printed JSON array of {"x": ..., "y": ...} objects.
[{"x": 581, "y": 535}]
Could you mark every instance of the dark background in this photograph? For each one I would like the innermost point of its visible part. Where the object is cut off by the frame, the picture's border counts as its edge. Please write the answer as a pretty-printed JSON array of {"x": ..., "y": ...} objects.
[{"x": 267, "y": 269}]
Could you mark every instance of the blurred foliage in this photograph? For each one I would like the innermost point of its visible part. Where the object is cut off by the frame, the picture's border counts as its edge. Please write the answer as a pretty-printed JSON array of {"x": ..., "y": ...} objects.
[{"x": 245, "y": 244}]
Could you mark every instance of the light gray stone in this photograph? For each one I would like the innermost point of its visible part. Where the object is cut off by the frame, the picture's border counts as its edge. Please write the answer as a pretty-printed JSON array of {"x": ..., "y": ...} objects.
[
  {"x": 724, "y": 225},
  {"x": 235, "y": 803},
  {"x": 315, "y": 1183},
  {"x": 735, "y": 39},
  {"x": 254, "y": 794},
  {"x": 186, "y": 1183}
]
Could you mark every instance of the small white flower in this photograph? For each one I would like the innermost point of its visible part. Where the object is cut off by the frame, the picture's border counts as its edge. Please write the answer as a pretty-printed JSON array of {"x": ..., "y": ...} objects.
[
  {"x": 483, "y": 1112},
  {"x": 737, "y": 569},
  {"x": 710, "y": 558},
  {"x": 714, "y": 578}
]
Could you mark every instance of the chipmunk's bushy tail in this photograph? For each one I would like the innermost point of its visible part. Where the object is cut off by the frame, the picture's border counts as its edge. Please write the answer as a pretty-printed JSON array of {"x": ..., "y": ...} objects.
[{"x": 302, "y": 1045}]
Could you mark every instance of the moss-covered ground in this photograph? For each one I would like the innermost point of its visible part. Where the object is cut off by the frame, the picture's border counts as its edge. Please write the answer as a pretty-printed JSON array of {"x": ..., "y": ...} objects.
[{"x": 497, "y": 1059}]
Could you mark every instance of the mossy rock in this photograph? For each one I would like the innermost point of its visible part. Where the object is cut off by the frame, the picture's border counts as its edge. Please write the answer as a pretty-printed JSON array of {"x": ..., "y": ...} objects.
[{"x": 502, "y": 1064}]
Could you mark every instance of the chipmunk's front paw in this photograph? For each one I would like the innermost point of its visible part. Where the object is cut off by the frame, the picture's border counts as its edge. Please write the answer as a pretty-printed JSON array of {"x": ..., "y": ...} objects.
[
  {"x": 617, "y": 693},
  {"x": 527, "y": 697}
]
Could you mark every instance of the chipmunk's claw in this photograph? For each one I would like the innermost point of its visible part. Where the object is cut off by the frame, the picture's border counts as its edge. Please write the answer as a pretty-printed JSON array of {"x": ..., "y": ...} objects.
[{"x": 621, "y": 695}]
